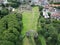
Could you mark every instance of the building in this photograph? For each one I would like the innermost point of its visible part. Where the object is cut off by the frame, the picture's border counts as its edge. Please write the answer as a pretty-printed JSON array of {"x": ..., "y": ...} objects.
[
  {"x": 31, "y": 2},
  {"x": 55, "y": 15},
  {"x": 24, "y": 1},
  {"x": 54, "y": 0},
  {"x": 3, "y": 1},
  {"x": 35, "y": 2},
  {"x": 45, "y": 13},
  {"x": 40, "y": 2}
]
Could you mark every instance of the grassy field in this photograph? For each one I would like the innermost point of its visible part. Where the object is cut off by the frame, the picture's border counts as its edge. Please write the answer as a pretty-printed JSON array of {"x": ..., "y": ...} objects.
[
  {"x": 42, "y": 39},
  {"x": 30, "y": 23},
  {"x": 30, "y": 20}
]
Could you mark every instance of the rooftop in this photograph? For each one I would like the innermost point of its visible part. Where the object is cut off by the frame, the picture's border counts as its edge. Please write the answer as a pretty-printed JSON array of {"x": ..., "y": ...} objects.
[{"x": 55, "y": 14}]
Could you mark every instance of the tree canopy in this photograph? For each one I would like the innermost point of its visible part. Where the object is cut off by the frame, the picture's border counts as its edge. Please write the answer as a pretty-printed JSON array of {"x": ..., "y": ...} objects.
[{"x": 10, "y": 29}]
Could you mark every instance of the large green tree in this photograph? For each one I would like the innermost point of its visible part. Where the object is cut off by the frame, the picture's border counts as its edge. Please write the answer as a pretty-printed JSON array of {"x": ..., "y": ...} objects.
[{"x": 10, "y": 29}]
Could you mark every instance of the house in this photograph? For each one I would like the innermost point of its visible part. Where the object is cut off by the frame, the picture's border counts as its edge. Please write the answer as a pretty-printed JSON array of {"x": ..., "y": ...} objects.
[
  {"x": 55, "y": 15},
  {"x": 35, "y": 2},
  {"x": 40, "y": 2},
  {"x": 44, "y": 2},
  {"x": 25, "y": 1},
  {"x": 51, "y": 9},
  {"x": 31, "y": 2},
  {"x": 54, "y": 0},
  {"x": 5, "y": 1},
  {"x": 54, "y": 5},
  {"x": 45, "y": 13},
  {"x": 1, "y": 1}
]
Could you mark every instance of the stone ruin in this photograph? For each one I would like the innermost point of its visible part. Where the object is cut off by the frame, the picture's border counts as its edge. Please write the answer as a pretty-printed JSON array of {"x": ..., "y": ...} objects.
[{"x": 32, "y": 33}]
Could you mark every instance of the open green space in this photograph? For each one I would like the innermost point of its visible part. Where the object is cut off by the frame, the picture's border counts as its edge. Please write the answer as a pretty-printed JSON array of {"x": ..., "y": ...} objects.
[
  {"x": 30, "y": 19},
  {"x": 42, "y": 40}
]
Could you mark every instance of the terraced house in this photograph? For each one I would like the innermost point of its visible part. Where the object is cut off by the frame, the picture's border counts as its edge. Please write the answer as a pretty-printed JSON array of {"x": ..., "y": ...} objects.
[
  {"x": 55, "y": 0},
  {"x": 35, "y": 2},
  {"x": 3, "y": 1}
]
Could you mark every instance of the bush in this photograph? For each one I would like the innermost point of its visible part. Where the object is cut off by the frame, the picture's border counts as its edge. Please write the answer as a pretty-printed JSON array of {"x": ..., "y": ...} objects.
[
  {"x": 40, "y": 8},
  {"x": 49, "y": 13},
  {"x": 56, "y": 3},
  {"x": 14, "y": 3},
  {"x": 41, "y": 13},
  {"x": 57, "y": 7},
  {"x": 4, "y": 11}
]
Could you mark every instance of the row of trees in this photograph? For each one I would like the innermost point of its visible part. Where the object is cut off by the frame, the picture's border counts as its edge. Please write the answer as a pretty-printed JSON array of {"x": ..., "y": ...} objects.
[
  {"x": 50, "y": 29},
  {"x": 57, "y": 7}
]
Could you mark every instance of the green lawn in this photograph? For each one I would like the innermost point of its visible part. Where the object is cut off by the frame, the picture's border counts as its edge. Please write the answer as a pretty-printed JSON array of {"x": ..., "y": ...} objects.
[
  {"x": 30, "y": 23},
  {"x": 42, "y": 40},
  {"x": 30, "y": 20}
]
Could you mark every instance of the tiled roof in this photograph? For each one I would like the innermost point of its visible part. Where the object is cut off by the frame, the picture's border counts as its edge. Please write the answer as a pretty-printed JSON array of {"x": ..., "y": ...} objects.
[
  {"x": 46, "y": 6},
  {"x": 55, "y": 14},
  {"x": 1, "y": 1},
  {"x": 55, "y": 5}
]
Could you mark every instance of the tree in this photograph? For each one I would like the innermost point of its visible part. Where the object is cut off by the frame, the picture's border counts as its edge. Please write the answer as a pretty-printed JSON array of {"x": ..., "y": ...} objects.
[
  {"x": 10, "y": 27},
  {"x": 4, "y": 12},
  {"x": 14, "y": 3},
  {"x": 49, "y": 13},
  {"x": 49, "y": 30},
  {"x": 40, "y": 8},
  {"x": 5, "y": 42}
]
